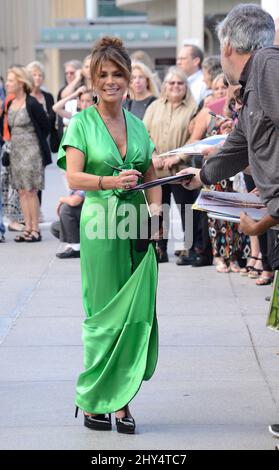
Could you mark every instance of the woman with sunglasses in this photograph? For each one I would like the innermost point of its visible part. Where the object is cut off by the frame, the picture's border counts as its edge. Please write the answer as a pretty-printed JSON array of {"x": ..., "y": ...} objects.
[{"x": 167, "y": 121}]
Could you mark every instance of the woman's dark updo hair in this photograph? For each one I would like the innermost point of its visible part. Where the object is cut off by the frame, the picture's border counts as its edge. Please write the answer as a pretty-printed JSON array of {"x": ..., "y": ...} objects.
[{"x": 110, "y": 49}]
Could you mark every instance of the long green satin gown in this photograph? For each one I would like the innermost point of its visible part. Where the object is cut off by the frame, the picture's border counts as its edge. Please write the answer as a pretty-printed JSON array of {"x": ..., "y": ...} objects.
[{"x": 119, "y": 284}]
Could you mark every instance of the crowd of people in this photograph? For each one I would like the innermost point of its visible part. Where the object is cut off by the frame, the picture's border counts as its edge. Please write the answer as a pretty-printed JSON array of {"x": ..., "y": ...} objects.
[
  {"x": 180, "y": 110},
  {"x": 175, "y": 112}
]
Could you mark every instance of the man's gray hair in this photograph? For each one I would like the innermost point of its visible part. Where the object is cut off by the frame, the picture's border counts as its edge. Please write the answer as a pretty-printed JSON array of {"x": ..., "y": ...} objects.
[
  {"x": 76, "y": 64},
  {"x": 247, "y": 27}
]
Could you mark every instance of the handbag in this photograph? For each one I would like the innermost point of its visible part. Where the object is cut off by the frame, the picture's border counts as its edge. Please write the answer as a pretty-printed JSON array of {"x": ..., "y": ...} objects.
[
  {"x": 54, "y": 140},
  {"x": 5, "y": 154}
]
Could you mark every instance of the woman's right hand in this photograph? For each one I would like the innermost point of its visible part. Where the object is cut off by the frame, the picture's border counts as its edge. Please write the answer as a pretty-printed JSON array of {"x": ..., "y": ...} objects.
[{"x": 127, "y": 179}]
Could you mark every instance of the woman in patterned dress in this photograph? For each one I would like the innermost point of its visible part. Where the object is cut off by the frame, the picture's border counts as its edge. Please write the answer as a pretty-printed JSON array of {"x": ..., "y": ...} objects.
[{"x": 29, "y": 126}]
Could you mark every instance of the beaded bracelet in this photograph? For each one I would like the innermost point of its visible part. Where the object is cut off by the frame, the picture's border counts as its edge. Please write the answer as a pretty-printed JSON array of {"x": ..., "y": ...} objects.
[{"x": 100, "y": 183}]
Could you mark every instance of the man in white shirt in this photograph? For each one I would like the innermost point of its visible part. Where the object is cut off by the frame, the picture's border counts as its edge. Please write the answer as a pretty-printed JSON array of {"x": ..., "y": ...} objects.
[{"x": 190, "y": 60}]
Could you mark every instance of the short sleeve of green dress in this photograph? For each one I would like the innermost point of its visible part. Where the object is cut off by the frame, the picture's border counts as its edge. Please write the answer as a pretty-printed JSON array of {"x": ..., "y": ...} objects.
[
  {"x": 118, "y": 283},
  {"x": 73, "y": 137},
  {"x": 88, "y": 133}
]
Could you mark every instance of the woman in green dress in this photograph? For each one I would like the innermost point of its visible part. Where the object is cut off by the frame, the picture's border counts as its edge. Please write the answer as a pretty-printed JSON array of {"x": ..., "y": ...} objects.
[{"x": 118, "y": 281}]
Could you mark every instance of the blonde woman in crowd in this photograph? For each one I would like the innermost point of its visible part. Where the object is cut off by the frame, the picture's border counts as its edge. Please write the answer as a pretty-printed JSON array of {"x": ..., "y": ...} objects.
[
  {"x": 167, "y": 120},
  {"x": 143, "y": 90},
  {"x": 10, "y": 198},
  {"x": 45, "y": 98},
  {"x": 144, "y": 58},
  {"x": 37, "y": 70},
  {"x": 203, "y": 118},
  {"x": 29, "y": 126}
]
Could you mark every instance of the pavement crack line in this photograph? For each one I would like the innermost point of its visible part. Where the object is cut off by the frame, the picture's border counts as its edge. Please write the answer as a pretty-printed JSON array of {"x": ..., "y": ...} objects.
[
  {"x": 263, "y": 374},
  {"x": 25, "y": 299}
]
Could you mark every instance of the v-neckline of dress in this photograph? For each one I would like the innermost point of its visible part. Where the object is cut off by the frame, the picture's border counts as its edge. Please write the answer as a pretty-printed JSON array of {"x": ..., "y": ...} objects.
[{"x": 123, "y": 159}]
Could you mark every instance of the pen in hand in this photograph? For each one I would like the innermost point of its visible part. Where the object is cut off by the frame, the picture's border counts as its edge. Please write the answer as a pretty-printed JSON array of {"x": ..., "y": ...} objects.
[
  {"x": 218, "y": 116},
  {"x": 122, "y": 169},
  {"x": 113, "y": 167}
]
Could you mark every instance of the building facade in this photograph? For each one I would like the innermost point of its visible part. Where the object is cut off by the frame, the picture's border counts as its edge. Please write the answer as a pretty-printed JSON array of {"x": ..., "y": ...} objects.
[
  {"x": 72, "y": 38},
  {"x": 195, "y": 19},
  {"x": 55, "y": 31},
  {"x": 21, "y": 26}
]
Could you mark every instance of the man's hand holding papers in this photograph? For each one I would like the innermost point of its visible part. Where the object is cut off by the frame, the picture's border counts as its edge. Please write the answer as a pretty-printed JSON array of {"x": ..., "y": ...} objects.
[
  {"x": 195, "y": 182},
  {"x": 247, "y": 225},
  {"x": 250, "y": 227}
]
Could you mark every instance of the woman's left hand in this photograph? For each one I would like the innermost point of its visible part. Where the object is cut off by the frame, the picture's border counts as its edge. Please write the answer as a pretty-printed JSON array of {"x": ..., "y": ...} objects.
[{"x": 247, "y": 225}]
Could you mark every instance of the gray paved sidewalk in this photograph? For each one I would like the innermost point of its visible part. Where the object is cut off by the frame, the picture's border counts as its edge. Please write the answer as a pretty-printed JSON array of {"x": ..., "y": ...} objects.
[{"x": 217, "y": 380}]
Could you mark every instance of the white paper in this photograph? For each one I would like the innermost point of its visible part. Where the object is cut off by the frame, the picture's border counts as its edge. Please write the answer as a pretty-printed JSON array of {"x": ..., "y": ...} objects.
[
  {"x": 230, "y": 205},
  {"x": 198, "y": 146}
]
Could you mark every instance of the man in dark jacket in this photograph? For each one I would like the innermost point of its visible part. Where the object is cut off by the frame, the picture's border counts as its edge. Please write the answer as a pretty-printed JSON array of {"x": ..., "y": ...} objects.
[
  {"x": 254, "y": 141},
  {"x": 248, "y": 57}
]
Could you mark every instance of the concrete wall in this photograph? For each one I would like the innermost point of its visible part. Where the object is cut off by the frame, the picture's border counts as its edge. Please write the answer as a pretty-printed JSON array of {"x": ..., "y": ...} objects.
[
  {"x": 162, "y": 11},
  {"x": 61, "y": 9},
  {"x": 20, "y": 24},
  {"x": 188, "y": 15}
]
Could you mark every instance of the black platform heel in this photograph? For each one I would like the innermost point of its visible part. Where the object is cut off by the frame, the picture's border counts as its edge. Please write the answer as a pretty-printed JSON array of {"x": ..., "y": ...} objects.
[
  {"x": 100, "y": 422},
  {"x": 126, "y": 425}
]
